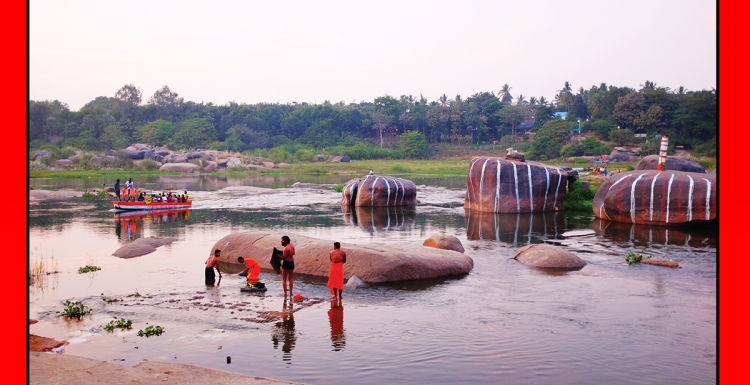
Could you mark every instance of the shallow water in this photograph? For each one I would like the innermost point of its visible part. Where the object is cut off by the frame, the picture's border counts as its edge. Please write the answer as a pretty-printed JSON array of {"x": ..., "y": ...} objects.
[{"x": 502, "y": 322}]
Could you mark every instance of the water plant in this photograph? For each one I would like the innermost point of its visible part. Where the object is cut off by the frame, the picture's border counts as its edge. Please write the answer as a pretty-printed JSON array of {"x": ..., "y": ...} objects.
[
  {"x": 153, "y": 330},
  {"x": 121, "y": 323},
  {"x": 75, "y": 309},
  {"x": 109, "y": 300},
  {"x": 339, "y": 187},
  {"x": 87, "y": 196},
  {"x": 88, "y": 269},
  {"x": 136, "y": 294},
  {"x": 634, "y": 258}
]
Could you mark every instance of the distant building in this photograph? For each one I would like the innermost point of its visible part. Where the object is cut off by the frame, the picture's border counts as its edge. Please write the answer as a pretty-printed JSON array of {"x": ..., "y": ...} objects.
[
  {"x": 525, "y": 126},
  {"x": 561, "y": 115}
]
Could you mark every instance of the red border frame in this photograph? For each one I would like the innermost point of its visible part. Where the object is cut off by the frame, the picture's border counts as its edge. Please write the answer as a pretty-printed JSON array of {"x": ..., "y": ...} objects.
[
  {"x": 731, "y": 335},
  {"x": 14, "y": 100}
]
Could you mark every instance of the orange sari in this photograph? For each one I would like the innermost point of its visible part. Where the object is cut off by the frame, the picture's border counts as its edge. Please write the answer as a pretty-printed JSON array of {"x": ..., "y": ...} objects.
[{"x": 336, "y": 277}]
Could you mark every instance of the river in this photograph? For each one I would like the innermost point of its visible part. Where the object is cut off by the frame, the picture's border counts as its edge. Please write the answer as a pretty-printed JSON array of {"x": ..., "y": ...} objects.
[{"x": 502, "y": 323}]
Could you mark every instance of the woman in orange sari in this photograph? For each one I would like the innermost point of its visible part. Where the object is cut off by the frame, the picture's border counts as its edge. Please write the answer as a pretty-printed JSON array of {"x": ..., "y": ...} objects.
[{"x": 336, "y": 275}]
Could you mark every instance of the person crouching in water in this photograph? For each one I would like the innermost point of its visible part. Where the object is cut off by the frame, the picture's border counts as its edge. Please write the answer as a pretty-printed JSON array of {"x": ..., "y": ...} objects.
[
  {"x": 336, "y": 275},
  {"x": 211, "y": 263},
  {"x": 253, "y": 270}
]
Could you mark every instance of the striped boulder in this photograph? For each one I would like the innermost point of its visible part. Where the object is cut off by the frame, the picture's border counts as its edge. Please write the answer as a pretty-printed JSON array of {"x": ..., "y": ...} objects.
[
  {"x": 497, "y": 185},
  {"x": 657, "y": 197},
  {"x": 379, "y": 191}
]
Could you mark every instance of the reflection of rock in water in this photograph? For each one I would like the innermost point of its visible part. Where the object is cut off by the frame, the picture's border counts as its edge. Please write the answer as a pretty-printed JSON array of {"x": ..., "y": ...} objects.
[
  {"x": 377, "y": 219},
  {"x": 336, "y": 319},
  {"x": 284, "y": 330},
  {"x": 515, "y": 229},
  {"x": 645, "y": 235}
]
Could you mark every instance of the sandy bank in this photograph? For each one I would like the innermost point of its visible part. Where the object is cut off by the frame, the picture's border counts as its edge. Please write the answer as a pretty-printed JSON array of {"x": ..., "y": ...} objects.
[{"x": 54, "y": 369}]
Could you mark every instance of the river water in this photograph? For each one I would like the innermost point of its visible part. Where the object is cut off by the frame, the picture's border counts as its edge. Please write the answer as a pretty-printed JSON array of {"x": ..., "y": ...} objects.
[{"x": 502, "y": 323}]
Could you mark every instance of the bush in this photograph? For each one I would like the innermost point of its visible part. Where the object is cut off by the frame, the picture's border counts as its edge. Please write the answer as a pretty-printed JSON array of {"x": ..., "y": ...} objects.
[
  {"x": 578, "y": 199},
  {"x": 304, "y": 155},
  {"x": 217, "y": 146},
  {"x": 67, "y": 152},
  {"x": 621, "y": 137},
  {"x": 593, "y": 147},
  {"x": 414, "y": 145},
  {"x": 147, "y": 165}
]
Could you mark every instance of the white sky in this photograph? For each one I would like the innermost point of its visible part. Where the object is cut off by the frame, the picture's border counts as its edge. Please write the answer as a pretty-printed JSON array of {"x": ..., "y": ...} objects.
[{"x": 312, "y": 51}]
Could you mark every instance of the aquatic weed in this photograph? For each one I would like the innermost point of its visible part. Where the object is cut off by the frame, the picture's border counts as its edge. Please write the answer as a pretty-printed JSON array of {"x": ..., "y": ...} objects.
[
  {"x": 339, "y": 187},
  {"x": 121, "y": 323},
  {"x": 75, "y": 309},
  {"x": 634, "y": 258},
  {"x": 88, "y": 269},
  {"x": 154, "y": 330}
]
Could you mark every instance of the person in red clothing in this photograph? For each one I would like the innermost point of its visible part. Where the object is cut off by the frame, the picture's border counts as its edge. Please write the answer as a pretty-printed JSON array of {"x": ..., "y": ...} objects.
[
  {"x": 253, "y": 270},
  {"x": 336, "y": 275}
]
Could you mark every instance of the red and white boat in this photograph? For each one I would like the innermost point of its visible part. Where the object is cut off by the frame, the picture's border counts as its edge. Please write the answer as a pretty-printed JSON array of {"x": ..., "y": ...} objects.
[{"x": 149, "y": 205}]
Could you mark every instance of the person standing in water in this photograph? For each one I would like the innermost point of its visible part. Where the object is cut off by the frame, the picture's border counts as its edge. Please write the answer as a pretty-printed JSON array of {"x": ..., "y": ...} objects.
[
  {"x": 211, "y": 263},
  {"x": 117, "y": 190},
  {"x": 287, "y": 265},
  {"x": 336, "y": 275}
]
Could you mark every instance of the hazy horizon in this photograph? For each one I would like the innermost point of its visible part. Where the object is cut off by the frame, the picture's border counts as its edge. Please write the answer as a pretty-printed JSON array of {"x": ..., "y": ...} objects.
[{"x": 288, "y": 52}]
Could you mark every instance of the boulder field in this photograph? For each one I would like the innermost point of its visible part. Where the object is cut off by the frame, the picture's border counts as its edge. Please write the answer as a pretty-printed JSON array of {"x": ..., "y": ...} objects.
[
  {"x": 657, "y": 197},
  {"x": 371, "y": 263},
  {"x": 551, "y": 257},
  {"x": 500, "y": 185}
]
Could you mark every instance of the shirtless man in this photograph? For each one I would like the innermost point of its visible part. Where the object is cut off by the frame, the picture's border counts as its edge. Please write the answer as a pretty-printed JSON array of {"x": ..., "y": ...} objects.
[{"x": 287, "y": 265}]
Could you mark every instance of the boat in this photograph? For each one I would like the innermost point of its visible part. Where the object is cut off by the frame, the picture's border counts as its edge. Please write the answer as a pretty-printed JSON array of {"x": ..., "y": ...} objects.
[{"x": 151, "y": 206}]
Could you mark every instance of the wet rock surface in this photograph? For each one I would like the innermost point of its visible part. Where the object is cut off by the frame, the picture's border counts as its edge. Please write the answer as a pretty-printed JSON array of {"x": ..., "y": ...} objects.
[
  {"x": 371, "y": 263},
  {"x": 142, "y": 246},
  {"x": 660, "y": 262},
  {"x": 551, "y": 257},
  {"x": 377, "y": 191}
]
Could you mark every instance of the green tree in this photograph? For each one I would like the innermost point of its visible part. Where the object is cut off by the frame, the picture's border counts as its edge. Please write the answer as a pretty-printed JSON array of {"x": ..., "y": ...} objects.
[
  {"x": 414, "y": 145},
  {"x": 505, "y": 96},
  {"x": 114, "y": 138},
  {"x": 156, "y": 133},
  {"x": 621, "y": 137},
  {"x": 548, "y": 140},
  {"x": 194, "y": 133}
]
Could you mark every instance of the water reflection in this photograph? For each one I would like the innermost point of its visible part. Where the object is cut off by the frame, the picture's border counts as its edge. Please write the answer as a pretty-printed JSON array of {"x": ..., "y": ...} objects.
[
  {"x": 336, "y": 319},
  {"x": 379, "y": 219},
  {"x": 515, "y": 229},
  {"x": 699, "y": 236},
  {"x": 131, "y": 223},
  {"x": 284, "y": 331}
]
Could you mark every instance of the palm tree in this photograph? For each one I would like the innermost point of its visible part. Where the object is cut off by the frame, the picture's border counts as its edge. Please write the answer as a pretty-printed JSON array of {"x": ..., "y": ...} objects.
[
  {"x": 532, "y": 101},
  {"x": 564, "y": 96},
  {"x": 543, "y": 101},
  {"x": 505, "y": 95},
  {"x": 521, "y": 100}
]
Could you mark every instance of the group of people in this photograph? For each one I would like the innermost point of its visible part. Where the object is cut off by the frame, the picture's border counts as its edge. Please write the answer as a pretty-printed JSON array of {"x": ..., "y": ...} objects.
[
  {"x": 335, "y": 278},
  {"x": 128, "y": 193}
]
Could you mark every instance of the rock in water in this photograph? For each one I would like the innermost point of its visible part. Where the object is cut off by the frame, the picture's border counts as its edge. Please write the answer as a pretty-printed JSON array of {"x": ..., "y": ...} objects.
[
  {"x": 660, "y": 262},
  {"x": 444, "y": 241},
  {"x": 379, "y": 191},
  {"x": 674, "y": 163},
  {"x": 657, "y": 197},
  {"x": 371, "y": 263},
  {"x": 546, "y": 256},
  {"x": 498, "y": 185}
]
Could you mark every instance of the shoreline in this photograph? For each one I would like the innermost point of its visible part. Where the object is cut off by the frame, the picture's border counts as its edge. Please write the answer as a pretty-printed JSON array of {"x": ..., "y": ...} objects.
[{"x": 54, "y": 369}]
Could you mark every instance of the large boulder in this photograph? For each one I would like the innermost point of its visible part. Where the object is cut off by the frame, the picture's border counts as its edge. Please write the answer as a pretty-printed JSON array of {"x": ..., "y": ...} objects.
[
  {"x": 234, "y": 162},
  {"x": 180, "y": 167},
  {"x": 133, "y": 153},
  {"x": 657, "y": 197},
  {"x": 371, "y": 263},
  {"x": 660, "y": 262},
  {"x": 195, "y": 154},
  {"x": 674, "y": 163},
  {"x": 551, "y": 257},
  {"x": 444, "y": 241},
  {"x": 211, "y": 167},
  {"x": 377, "y": 191},
  {"x": 269, "y": 165},
  {"x": 336, "y": 159},
  {"x": 507, "y": 186},
  {"x": 41, "y": 154},
  {"x": 346, "y": 159},
  {"x": 622, "y": 154}
]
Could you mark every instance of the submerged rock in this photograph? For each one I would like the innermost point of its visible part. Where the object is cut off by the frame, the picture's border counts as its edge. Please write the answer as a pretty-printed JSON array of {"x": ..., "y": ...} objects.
[
  {"x": 379, "y": 191},
  {"x": 142, "y": 246},
  {"x": 444, "y": 241},
  {"x": 546, "y": 256},
  {"x": 371, "y": 263},
  {"x": 660, "y": 262}
]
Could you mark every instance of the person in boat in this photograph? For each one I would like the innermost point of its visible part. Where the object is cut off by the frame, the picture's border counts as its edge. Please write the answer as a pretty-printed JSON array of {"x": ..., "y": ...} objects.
[
  {"x": 253, "y": 270},
  {"x": 117, "y": 190},
  {"x": 336, "y": 275},
  {"x": 186, "y": 196},
  {"x": 130, "y": 189},
  {"x": 169, "y": 197},
  {"x": 213, "y": 263},
  {"x": 141, "y": 197}
]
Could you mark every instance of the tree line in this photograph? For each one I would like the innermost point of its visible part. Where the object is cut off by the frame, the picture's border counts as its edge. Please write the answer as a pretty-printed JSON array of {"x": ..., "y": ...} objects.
[{"x": 613, "y": 113}]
